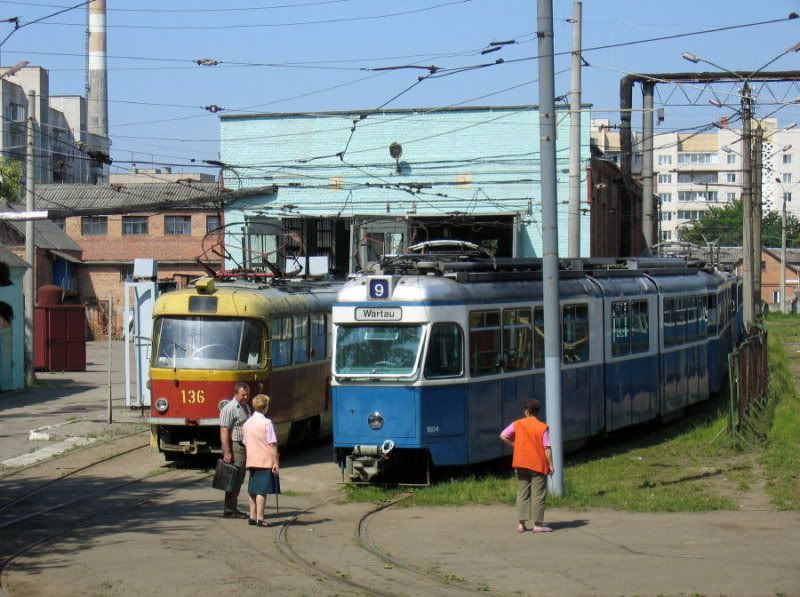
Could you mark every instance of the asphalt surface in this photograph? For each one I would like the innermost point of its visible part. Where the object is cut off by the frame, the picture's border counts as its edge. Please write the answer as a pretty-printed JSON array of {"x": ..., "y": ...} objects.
[{"x": 186, "y": 548}]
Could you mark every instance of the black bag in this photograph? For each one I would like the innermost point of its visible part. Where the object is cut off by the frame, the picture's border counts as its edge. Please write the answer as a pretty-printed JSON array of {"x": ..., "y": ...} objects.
[{"x": 225, "y": 476}]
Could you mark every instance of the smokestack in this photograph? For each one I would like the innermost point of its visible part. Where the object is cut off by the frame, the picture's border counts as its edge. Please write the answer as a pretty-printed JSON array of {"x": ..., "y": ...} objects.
[{"x": 97, "y": 87}]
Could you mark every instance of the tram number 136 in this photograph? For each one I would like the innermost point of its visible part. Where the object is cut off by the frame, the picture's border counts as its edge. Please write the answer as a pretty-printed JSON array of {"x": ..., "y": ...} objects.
[{"x": 193, "y": 396}]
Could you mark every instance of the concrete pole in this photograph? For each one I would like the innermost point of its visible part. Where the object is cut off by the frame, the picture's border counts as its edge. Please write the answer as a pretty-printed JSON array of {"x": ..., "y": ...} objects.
[
  {"x": 647, "y": 164},
  {"x": 755, "y": 180},
  {"x": 552, "y": 311},
  {"x": 574, "y": 223},
  {"x": 747, "y": 210},
  {"x": 29, "y": 281},
  {"x": 783, "y": 256},
  {"x": 110, "y": 323}
]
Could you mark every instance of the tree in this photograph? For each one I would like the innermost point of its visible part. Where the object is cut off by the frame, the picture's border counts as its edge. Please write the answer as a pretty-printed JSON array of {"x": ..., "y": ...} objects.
[
  {"x": 10, "y": 180},
  {"x": 723, "y": 225}
]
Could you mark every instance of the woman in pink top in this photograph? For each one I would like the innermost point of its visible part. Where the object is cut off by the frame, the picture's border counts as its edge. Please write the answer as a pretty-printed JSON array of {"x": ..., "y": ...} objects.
[{"x": 262, "y": 459}]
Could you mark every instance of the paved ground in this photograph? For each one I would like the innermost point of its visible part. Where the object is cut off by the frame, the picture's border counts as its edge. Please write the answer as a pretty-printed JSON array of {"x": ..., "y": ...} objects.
[
  {"x": 67, "y": 405},
  {"x": 180, "y": 542}
]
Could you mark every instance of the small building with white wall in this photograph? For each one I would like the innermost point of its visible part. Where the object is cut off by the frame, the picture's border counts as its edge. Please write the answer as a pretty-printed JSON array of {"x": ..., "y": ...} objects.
[{"x": 353, "y": 185}]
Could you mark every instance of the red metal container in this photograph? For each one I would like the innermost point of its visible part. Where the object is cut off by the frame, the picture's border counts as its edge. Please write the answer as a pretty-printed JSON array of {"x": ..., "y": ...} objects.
[{"x": 59, "y": 342}]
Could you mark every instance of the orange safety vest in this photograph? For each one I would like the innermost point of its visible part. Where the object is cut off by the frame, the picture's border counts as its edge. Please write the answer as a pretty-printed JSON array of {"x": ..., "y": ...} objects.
[{"x": 529, "y": 445}]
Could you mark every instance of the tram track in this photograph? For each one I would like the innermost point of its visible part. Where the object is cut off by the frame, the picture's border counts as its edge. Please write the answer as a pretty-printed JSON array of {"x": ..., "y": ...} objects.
[
  {"x": 47, "y": 484},
  {"x": 290, "y": 554},
  {"x": 82, "y": 522},
  {"x": 366, "y": 543},
  {"x": 11, "y": 474},
  {"x": 424, "y": 580}
]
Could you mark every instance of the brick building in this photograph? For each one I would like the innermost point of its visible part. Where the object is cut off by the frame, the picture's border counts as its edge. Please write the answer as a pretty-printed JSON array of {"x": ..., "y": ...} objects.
[
  {"x": 770, "y": 273},
  {"x": 176, "y": 223}
]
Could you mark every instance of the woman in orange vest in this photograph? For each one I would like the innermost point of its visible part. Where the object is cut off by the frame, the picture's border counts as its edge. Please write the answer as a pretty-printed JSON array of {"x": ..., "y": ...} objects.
[
  {"x": 533, "y": 461},
  {"x": 262, "y": 459}
]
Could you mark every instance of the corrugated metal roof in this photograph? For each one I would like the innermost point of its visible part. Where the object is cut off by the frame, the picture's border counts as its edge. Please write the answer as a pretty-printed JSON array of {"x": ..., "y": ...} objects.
[
  {"x": 115, "y": 196},
  {"x": 48, "y": 234},
  {"x": 10, "y": 259}
]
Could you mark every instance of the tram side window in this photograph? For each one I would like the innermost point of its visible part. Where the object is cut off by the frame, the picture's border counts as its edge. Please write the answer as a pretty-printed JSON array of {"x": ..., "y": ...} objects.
[
  {"x": 517, "y": 339},
  {"x": 281, "y": 342},
  {"x": 711, "y": 309},
  {"x": 691, "y": 318},
  {"x": 669, "y": 325},
  {"x": 702, "y": 317},
  {"x": 575, "y": 333},
  {"x": 620, "y": 329},
  {"x": 301, "y": 338},
  {"x": 679, "y": 319},
  {"x": 640, "y": 327},
  {"x": 484, "y": 342},
  {"x": 319, "y": 337},
  {"x": 445, "y": 351},
  {"x": 538, "y": 337},
  {"x": 630, "y": 326}
]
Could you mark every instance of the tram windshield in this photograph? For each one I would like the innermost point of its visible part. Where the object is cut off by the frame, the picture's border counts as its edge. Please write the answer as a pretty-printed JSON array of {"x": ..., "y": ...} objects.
[
  {"x": 377, "y": 350},
  {"x": 207, "y": 343}
]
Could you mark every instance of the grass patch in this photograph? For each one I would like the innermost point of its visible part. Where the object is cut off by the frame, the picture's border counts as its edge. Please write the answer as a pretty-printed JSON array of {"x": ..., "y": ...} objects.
[
  {"x": 782, "y": 459},
  {"x": 681, "y": 467}
]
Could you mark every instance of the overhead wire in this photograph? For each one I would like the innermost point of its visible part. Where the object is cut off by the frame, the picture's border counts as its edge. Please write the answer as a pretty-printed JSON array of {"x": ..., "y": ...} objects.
[{"x": 328, "y": 21}]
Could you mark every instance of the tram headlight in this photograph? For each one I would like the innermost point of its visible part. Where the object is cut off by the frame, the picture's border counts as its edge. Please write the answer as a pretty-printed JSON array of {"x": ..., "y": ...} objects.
[
  {"x": 222, "y": 404},
  {"x": 162, "y": 405},
  {"x": 375, "y": 420}
]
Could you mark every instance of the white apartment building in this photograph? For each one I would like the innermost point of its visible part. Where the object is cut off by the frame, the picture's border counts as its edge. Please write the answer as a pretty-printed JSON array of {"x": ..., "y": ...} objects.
[
  {"x": 694, "y": 172},
  {"x": 61, "y": 136}
]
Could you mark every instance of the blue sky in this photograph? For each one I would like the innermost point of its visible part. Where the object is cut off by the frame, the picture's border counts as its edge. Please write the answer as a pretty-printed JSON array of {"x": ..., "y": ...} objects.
[{"x": 448, "y": 34}]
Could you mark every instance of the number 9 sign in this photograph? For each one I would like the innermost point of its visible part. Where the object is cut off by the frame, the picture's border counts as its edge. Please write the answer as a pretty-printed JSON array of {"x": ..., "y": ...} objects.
[{"x": 379, "y": 288}]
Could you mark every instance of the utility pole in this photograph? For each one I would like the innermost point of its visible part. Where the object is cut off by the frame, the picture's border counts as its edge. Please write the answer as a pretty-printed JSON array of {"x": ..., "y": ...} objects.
[
  {"x": 574, "y": 222},
  {"x": 747, "y": 209},
  {"x": 29, "y": 282},
  {"x": 647, "y": 163},
  {"x": 755, "y": 181},
  {"x": 783, "y": 255},
  {"x": 550, "y": 265}
]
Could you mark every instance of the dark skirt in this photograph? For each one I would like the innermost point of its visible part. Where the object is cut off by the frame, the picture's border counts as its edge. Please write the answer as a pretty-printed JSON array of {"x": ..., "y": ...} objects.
[{"x": 263, "y": 481}]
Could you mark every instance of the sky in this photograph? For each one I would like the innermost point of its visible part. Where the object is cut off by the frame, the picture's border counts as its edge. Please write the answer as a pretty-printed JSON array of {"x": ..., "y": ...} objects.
[{"x": 315, "y": 55}]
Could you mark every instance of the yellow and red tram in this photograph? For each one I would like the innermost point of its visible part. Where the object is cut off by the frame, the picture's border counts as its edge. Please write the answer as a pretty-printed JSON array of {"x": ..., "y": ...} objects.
[{"x": 274, "y": 336}]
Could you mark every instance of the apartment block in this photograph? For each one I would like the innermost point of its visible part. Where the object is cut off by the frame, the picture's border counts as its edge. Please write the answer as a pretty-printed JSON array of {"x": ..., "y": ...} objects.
[
  {"x": 696, "y": 171},
  {"x": 60, "y": 139}
]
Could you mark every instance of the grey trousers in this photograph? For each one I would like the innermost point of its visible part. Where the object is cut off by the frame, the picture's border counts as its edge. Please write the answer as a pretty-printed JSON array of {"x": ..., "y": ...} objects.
[
  {"x": 531, "y": 491},
  {"x": 232, "y": 497}
]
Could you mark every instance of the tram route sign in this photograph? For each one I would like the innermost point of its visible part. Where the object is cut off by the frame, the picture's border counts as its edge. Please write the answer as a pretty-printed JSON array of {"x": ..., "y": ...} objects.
[
  {"x": 380, "y": 288},
  {"x": 378, "y": 313}
]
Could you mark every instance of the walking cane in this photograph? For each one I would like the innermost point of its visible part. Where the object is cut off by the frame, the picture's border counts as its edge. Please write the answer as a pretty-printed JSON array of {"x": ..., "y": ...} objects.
[{"x": 276, "y": 485}]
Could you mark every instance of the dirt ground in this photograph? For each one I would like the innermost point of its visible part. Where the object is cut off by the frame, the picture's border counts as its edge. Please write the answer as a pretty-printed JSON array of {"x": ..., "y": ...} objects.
[{"x": 180, "y": 544}]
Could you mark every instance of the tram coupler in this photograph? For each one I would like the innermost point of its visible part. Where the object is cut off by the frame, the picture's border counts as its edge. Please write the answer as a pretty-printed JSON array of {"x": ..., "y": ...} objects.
[{"x": 365, "y": 461}]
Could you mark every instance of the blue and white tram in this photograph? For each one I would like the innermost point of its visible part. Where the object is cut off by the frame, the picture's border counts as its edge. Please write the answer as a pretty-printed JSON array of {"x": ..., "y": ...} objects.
[{"x": 430, "y": 366}]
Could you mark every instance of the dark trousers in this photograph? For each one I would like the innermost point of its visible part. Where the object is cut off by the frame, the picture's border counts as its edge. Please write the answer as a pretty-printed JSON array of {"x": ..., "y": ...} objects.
[{"x": 232, "y": 496}]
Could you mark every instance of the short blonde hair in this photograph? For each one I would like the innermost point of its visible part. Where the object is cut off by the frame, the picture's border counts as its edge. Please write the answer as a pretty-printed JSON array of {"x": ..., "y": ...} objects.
[{"x": 260, "y": 403}]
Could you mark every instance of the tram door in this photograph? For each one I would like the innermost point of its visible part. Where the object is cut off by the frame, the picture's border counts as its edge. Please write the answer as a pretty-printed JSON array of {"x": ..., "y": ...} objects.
[{"x": 377, "y": 238}]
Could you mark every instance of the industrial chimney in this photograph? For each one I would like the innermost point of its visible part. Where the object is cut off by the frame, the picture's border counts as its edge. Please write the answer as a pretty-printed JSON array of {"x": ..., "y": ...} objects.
[{"x": 97, "y": 91}]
